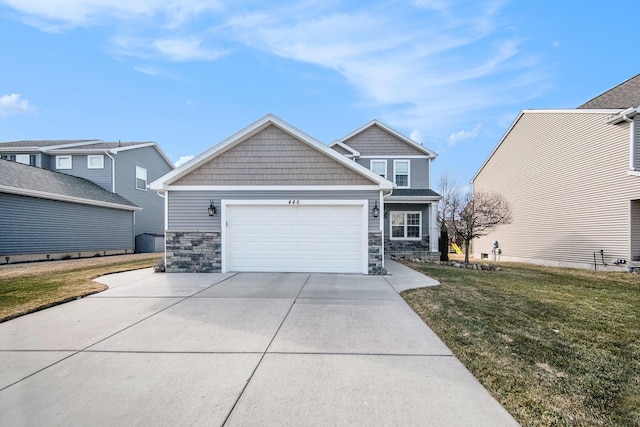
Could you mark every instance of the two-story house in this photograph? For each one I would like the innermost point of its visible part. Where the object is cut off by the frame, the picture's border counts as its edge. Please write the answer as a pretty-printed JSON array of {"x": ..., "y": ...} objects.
[
  {"x": 411, "y": 209},
  {"x": 571, "y": 178},
  {"x": 272, "y": 198},
  {"x": 120, "y": 168}
]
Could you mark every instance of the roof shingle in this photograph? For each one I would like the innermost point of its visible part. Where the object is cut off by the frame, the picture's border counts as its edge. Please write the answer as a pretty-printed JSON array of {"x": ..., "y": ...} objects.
[
  {"x": 22, "y": 177},
  {"x": 625, "y": 95}
]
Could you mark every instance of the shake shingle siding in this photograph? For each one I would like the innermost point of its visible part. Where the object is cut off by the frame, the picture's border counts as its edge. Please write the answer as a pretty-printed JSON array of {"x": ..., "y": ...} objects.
[
  {"x": 151, "y": 219},
  {"x": 565, "y": 176},
  {"x": 375, "y": 141},
  {"x": 188, "y": 209},
  {"x": 34, "y": 226},
  {"x": 273, "y": 157}
]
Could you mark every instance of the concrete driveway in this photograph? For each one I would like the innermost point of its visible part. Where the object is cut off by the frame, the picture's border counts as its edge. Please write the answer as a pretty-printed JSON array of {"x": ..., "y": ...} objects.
[{"x": 238, "y": 349}]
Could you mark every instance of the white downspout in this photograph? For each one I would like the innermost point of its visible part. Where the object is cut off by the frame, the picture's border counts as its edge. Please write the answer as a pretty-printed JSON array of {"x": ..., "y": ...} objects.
[
  {"x": 113, "y": 172},
  {"x": 632, "y": 144}
]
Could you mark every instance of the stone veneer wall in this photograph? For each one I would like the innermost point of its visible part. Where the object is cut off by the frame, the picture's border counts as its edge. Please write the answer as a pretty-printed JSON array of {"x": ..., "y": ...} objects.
[
  {"x": 418, "y": 249},
  {"x": 193, "y": 252},
  {"x": 200, "y": 252},
  {"x": 375, "y": 253}
]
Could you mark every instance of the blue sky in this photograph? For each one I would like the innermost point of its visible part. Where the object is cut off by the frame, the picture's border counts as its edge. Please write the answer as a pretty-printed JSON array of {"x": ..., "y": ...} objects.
[{"x": 453, "y": 75}]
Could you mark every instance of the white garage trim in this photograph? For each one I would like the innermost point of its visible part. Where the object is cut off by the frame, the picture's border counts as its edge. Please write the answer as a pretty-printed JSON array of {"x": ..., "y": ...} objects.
[{"x": 363, "y": 204}]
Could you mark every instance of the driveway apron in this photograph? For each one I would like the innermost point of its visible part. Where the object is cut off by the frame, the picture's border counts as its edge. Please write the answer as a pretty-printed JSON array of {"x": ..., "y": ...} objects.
[{"x": 237, "y": 349}]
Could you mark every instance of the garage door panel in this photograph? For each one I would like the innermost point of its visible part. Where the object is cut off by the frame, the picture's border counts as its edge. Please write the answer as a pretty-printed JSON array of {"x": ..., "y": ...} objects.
[{"x": 307, "y": 238}]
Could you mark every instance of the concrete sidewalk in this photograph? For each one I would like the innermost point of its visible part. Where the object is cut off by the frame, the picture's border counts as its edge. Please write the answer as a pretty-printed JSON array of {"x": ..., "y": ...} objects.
[{"x": 238, "y": 349}]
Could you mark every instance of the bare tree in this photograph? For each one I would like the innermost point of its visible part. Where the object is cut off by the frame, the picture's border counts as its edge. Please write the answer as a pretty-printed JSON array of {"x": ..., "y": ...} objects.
[
  {"x": 447, "y": 188},
  {"x": 476, "y": 214}
]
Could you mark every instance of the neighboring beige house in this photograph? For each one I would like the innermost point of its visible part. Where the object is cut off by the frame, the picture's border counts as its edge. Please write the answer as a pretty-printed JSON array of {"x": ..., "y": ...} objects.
[{"x": 572, "y": 178}]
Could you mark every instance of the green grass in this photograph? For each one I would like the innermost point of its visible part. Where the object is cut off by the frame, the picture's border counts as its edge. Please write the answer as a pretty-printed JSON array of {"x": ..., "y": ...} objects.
[
  {"x": 31, "y": 287},
  {"x": 554, "y": 346}
]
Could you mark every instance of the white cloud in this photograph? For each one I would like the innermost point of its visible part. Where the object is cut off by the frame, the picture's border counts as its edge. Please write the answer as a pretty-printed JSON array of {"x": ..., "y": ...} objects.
[
  {"x": 464, "y": 134},
  {"x": 14, "y": 104},
  {"x": 171, "y": 49},
  {"x": 184, "y": 159},
  {"x": 148, "y": 69},
  {"x": 187, "y": 49},
  {"x": 417, "y": 136},
  {"x": 51, "y": 14},
  {"x": 423, "y": 69}
]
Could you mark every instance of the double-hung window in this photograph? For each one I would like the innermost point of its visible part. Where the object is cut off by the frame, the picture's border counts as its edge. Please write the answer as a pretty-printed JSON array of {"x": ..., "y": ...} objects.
[
  {"x": 379, "y": 167},
  {"x": 141, "y": 178},
  {"x": 64, "y": 162},
  {"x": 95, "y": 161},
  {"x": 401, "y": 173},
  {"x": 406, "y": 225}
]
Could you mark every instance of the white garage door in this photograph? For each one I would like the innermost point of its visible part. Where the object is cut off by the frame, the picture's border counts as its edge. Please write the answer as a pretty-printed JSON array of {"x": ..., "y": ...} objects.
[{"x": 298, "y": 238}]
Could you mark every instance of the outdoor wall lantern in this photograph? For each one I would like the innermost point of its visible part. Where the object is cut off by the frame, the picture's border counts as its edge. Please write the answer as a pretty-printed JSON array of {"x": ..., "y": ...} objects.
[
  {"x": 376, "y": 210},
  {"x": 212, "y": 209}
]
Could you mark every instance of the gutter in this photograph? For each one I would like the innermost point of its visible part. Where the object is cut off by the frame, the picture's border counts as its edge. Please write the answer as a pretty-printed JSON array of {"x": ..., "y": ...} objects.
[
  {"x": 626, "y": 116},
  {"x": 113, "y": 171}
]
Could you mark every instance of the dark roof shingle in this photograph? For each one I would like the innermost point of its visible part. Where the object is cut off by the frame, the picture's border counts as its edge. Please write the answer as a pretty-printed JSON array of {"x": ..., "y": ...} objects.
[
  {"x": 22, "y": 177},
  {"x": 625, "y": 95}
]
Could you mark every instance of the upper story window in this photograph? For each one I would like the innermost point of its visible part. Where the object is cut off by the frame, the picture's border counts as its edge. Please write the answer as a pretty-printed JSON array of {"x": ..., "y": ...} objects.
[
  {"x": 379, "y": 167},
  {"x": 64, "y": 162},
  {"x": 401, "y": 173},
  {"x": 406, "y": 225},
  {"x": 141, "y": 178},
  {"x": 26, "y": 159},
  {"x": 95, "y": 161}
]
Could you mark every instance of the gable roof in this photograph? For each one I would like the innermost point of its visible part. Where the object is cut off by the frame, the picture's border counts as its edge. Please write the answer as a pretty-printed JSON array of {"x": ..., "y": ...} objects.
[
  {"x": 625, "y": 95},
  {"x": 393, "y": 132},
  {"x": 84, "y": 146},
  {"x": 239, "y": 137},
  {"x": 24, "y": 180}
]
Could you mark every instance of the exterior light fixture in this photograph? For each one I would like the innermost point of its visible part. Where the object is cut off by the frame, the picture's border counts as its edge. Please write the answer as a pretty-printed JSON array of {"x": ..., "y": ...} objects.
[
  {"x": 376, "y": 210},
  {"x": 212, "y": 209}
]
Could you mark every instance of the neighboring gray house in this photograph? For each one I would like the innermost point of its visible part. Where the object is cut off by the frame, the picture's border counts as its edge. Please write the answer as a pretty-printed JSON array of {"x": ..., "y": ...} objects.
[
  {"x": 50, "y": 215},
  {"x": 410, "y": 211},
  {"x": 572, "y": 177},
  {"x": 123, "y": 168},
  {"x": 272, "y": 198}
]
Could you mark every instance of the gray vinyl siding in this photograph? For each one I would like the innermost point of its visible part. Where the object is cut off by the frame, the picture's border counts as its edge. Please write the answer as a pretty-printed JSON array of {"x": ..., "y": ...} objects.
[
  {"x": 636, "y": 141},
  {"x": 188, "y": 209},
  {"x": 151, "y": 219},
  {"x": 31, "y": 225},
  {"x": 47, "y": 162},
  {"x": 102, "y": 177},
  {"x": 406, "y": 207},
  {"x": 273, "y": 157},
  {"x": 635, "y": 230},
  {"x": 418, "y": 170},
  {"x": 375, "y": 141},
  {"x": 565, "y": 176}
]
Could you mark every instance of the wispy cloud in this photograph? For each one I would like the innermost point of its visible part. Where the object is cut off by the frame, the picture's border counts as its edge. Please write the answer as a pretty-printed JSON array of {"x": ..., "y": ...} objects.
[
  {"x": 166, "y": 49},
  {"x": 51, "y": 14},
  {"x": 184, "y": 159},
  {"x": 464, "y": 134},
  {"x": 14, "y": 104},
  {"x": 421, "y": 66}
]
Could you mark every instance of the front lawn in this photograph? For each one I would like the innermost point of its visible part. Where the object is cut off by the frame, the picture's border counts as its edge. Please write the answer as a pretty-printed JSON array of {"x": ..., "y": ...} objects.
[
  {"x": 554, "y": 346},
  {"x": 25, "y": 288}
]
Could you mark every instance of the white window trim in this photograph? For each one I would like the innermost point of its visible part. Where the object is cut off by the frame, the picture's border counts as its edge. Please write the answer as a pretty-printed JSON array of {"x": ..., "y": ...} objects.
[
  {"x": 415, "y": 239},
  {"x": 59, "y": 158},
  {"x": 95, "y": 156},
  {"x": 408, "y": 162},
  {"x": 379, "y": 161},
  {"x": 146, "y": 182},
  {"x": 20, "y": 158}
]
